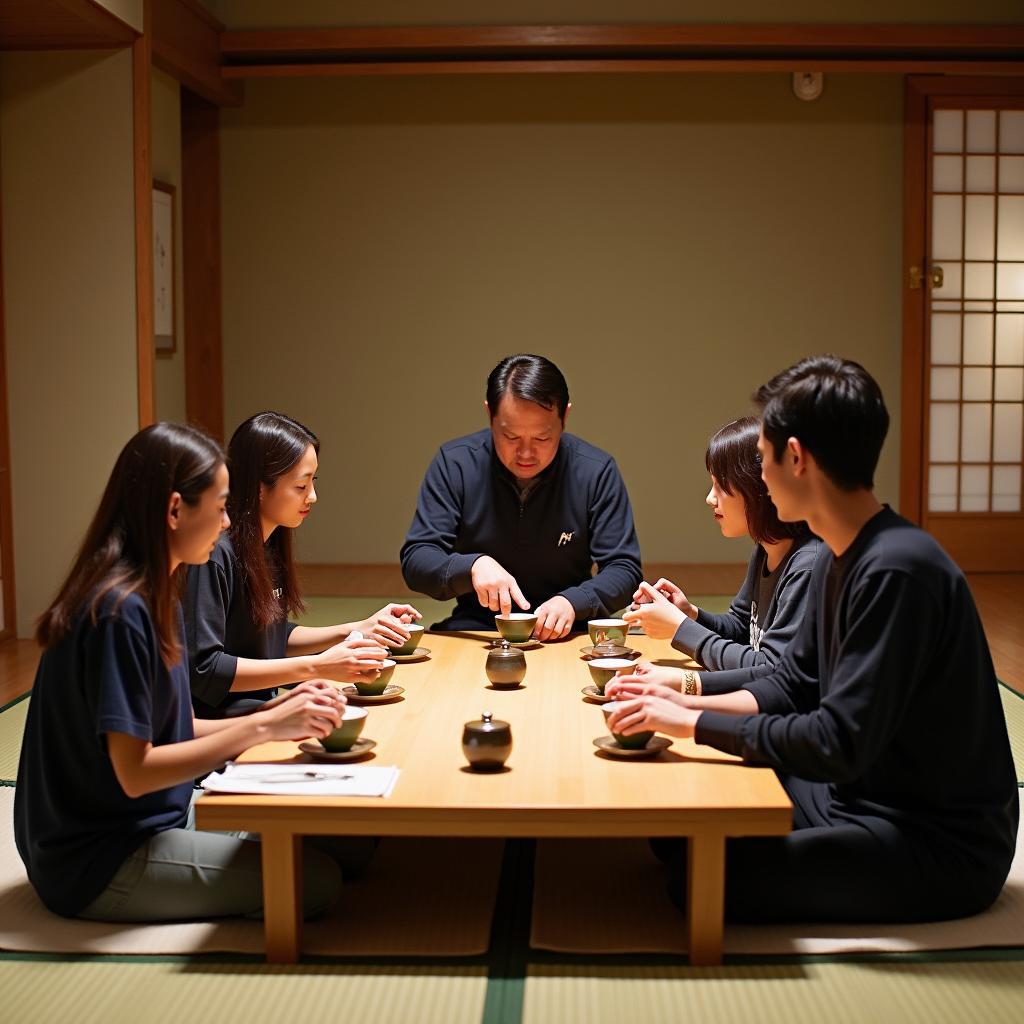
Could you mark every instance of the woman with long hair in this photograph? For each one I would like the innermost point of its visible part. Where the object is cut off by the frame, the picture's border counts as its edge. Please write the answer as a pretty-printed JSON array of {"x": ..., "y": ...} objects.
[
  {"x": 103, "y": 804},
  {"x": 240, "y": 642},
  {"x": 751, "y": 637}
]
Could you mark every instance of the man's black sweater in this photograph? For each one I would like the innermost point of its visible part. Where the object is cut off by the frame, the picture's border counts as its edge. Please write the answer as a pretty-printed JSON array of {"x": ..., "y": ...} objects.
[
  {"x": 888, "y": 695},
  {"x": 577, "y": 514}
]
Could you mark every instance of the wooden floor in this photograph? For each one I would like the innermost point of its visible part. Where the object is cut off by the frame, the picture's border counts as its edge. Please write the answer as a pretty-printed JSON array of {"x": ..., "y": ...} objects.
[
  {"x": 1000, "y": 599},
  {"x": 999, "y": 596}
]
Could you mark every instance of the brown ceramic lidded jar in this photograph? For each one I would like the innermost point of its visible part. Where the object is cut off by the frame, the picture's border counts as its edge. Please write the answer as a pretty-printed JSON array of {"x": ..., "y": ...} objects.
[
  {"x": 506, "y": 666},
  {"x": 487, "y": 743}
]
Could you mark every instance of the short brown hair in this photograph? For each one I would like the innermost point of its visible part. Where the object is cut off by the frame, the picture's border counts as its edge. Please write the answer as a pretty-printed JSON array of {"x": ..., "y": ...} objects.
[{"x": 733, "y": 460}]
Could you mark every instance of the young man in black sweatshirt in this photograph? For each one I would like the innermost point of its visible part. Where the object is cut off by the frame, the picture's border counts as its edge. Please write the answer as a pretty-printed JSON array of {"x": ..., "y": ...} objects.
[
  {"x": 513, "y": 517},
  {"x": 883, "y": 719}
]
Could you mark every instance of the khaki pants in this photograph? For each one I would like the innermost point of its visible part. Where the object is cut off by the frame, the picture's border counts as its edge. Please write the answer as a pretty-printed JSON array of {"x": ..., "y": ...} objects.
[{"x": 183, "y": 874}]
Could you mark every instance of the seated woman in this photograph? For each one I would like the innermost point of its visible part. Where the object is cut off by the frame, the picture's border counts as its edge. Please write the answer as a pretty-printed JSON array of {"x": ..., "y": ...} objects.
[
  {"x": 240, "y": 642},
  {"x": 750, "y": 638},
  {"x": 103, "y": 804}
]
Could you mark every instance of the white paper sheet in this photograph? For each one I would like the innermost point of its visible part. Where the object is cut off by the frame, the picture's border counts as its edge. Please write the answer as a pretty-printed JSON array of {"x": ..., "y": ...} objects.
[{"x": 303, "y": 780}]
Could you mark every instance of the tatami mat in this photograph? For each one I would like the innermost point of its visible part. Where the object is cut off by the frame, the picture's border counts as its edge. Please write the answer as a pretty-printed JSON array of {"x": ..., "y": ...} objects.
[
  {"x": 575, "y": 911},
  {"x": 946, "y": 993},
  {"x": 12, "y": 726},
  {"x": 172, "y": 993},
  {"x": 1013, "y": 706},
  {"x": 420, "y": 897},
  {"x": 326, "y": 611}
]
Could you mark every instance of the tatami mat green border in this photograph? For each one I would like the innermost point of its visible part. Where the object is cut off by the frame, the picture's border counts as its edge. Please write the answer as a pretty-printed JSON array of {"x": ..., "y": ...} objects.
[
  {"x": 12, "y": 719},
  {"x": 17, "y": 700}
]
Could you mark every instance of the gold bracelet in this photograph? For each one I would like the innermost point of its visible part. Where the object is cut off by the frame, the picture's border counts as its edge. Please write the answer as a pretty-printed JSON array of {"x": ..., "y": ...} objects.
[{"x": 690, "y": 683}]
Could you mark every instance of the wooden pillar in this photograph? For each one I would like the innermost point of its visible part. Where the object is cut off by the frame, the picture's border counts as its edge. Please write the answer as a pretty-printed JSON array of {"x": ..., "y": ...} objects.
[{"x": 142, "y": 128}]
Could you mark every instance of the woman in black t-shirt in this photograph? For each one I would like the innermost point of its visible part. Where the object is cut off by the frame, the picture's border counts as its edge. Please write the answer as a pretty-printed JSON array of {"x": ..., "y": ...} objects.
[
  {"x": 102, "y": 807},
  {"x": 240, "y": 642},
  {"x": 751, "y": 637}
]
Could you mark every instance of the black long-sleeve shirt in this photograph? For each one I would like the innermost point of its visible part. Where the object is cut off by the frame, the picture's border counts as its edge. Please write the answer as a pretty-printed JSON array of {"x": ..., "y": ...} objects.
[
  {"x": 748, "y": 640},
  {"x": 219, "y": 630},
  {"x": 577, "y": 514},
  {"x": 888, "y": 694}
]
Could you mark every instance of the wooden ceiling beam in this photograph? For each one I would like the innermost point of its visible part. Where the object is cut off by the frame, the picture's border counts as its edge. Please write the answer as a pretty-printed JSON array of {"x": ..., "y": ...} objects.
[
  {"x": 654, "y": 66},
  {"x": 61, "y": 25},
  {"x": 186, "y": 44},
  {"x": 629, "y": 47}
]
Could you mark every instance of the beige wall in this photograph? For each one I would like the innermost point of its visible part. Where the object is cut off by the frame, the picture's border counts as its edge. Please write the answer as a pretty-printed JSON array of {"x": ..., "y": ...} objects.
[
  {"x": 272, "y": 13},
  {"x": 169, "y": 370},
  {"x": 69, "y": 272},
  {"x": 669, "y": 241}
]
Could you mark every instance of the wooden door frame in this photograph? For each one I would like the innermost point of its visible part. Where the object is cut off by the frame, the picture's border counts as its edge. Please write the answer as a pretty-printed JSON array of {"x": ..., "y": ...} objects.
[
  {"x": 142, "y": 129},
  {"x": 920, "y": 91},
  {"x": 10, "y": 617}
]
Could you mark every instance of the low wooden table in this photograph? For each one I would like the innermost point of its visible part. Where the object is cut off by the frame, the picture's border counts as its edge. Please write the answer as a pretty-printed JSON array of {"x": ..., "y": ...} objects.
[{"x": 556, "y": 783}]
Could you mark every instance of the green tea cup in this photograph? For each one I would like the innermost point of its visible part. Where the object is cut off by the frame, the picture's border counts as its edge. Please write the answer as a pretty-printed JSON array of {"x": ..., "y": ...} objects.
[
  {"x": 410, "y": 645},
  {"x": 603, "y": 670},
  {"x": 342, "y": 738},
  {"x": 516, "y": 627},
  {"x": 375, "y": 687},
  {"x": 605, "y": 631},
  {"x": 635, "y": 741}
]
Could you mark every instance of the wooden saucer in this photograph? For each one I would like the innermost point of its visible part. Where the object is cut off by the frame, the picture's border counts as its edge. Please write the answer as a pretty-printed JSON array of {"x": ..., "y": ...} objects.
[
  {"x": 420, "y": 654},
  {"x": 590, "y": 693},
  {"x": 655, "y": 745},
  {"x": 522, "y": 645},
  {"x": 315, "y": 749},
  {"x": 391, "y": 693}
]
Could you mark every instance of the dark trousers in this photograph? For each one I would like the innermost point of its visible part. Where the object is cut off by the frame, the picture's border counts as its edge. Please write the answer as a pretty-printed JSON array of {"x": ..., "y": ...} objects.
[{"x": 831, "y": 868}]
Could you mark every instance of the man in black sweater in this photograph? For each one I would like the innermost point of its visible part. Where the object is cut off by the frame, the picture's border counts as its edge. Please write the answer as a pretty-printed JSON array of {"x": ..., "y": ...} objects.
[
  {"x": 515, "y": 516},
  {"x": 883, "y": 719}
]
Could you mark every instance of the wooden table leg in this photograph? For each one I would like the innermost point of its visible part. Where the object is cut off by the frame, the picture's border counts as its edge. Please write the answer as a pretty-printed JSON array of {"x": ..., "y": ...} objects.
[
  {"x": 705, "y": 893},
  {"x": 282, "y": 896}
]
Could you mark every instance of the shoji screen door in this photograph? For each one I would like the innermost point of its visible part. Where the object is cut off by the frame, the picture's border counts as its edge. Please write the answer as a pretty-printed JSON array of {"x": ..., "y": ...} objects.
[{"x": 971, "y": 287}]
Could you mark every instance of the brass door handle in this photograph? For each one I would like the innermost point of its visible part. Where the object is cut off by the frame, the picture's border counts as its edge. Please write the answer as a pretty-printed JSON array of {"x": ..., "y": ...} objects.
[{"x": 936, "y": 276}]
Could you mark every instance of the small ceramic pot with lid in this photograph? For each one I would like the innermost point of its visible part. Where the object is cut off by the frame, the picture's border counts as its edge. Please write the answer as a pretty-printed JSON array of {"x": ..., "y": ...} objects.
[
  {"x": 487, "y": 743},
  {"x": 506, "y": 666}
]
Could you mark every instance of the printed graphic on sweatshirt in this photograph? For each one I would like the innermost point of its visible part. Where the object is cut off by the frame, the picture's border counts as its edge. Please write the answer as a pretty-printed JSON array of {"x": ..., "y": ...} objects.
[
  {"x": 756, "y": 632},
  {"x": 565, "y": 538}
]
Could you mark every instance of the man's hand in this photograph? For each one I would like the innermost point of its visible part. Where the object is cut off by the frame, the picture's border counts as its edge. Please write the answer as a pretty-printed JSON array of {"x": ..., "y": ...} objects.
[
  {"x": 658, "y": 616},
  {"x": 654, "y": 675},
  {"x": 655, "y": 713},
  {"x": 495, "y": 587},
  {"x": 554, "y": 619}
]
